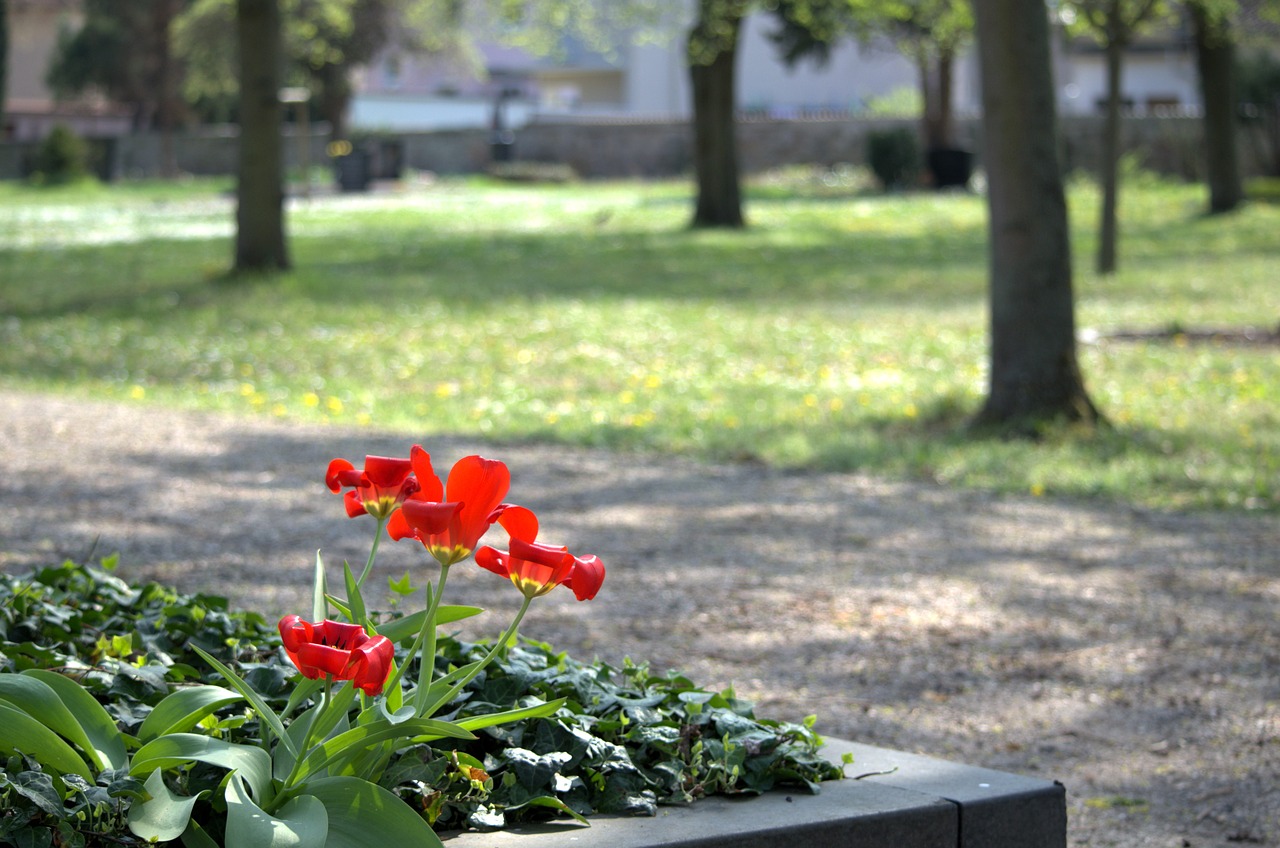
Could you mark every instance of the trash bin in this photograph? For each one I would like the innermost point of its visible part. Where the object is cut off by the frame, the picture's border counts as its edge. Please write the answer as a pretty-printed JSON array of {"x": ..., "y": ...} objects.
[
  {"x": 951, "y": 167},
  {"x": 352, "y": 171}
]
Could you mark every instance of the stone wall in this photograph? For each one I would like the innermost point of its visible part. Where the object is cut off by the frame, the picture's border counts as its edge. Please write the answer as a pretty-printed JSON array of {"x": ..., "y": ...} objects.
[{"x": 649, "y": 149}]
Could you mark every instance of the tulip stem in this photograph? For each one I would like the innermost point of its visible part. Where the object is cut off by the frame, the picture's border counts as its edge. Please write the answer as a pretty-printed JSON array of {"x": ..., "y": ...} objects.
[
  {"x": 488, "y": 658},
  {"x": 373, "y": 552}
]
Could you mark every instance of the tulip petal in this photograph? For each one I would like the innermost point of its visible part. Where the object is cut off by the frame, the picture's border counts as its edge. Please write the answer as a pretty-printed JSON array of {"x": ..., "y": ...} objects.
[
  {"x": 492, "y": 559},
  {"x": 336, "y": 467},
  {"x": 518, "y": 521},
  {"x": 586, "y": 578},
  {"x": 387, "y": 472},
  {"x": 429, "y": 486}
]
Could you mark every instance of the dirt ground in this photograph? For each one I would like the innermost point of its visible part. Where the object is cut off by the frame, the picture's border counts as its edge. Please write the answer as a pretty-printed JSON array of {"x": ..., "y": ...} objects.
[{"x": 1132, "y": 655}]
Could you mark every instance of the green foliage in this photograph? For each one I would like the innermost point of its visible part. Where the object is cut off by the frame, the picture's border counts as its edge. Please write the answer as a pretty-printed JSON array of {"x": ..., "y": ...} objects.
[
  {"x": 847, "y": 331},
  {"x": 61, "y": 158},
  {"x": 894, "y": 157},
  {"x": 624, "y": 740}
]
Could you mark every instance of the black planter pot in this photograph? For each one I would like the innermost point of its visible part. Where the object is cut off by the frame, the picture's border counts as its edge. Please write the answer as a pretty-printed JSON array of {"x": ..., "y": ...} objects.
[{"x": 950, "y": 167}]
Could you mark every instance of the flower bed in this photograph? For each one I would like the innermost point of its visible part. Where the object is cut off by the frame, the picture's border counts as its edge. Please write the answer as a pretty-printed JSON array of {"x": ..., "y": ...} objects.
[{"x": 130, "y": 714}]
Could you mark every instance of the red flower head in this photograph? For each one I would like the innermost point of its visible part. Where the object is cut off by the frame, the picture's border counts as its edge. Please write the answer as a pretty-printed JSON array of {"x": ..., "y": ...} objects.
[
  {"x": 378, "y": 489},
  {"x": 337, "y": 650},
  {"x": 536, "y": 569},
  {"x": 450, "y": 521}
]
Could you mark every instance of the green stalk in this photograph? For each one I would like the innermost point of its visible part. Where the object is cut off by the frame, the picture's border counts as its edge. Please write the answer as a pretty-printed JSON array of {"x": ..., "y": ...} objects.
[
  {"x": 488, "y": 658},
  {"x": 427, "y": 664},
  {"x": 373, "y": 552}
]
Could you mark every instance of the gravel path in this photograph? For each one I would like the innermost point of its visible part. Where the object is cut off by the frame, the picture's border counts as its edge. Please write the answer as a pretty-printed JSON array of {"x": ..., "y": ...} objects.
[{"x": 1132, "y": 655}]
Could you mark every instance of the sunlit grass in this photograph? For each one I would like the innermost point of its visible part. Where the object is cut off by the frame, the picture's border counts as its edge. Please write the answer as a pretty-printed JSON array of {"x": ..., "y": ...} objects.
[{"x": 842, "y": 331}]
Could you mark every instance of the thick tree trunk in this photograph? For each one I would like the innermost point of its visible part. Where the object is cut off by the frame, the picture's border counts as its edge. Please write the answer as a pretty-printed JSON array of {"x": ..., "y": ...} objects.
[
  {"x": 260, "y": 239},
  {"x": 713, "y": 50},
  {"x": 1215, "y": 61},
  {"x": 1034, "y": 373},
  {"x": 1108, "y": 220}
]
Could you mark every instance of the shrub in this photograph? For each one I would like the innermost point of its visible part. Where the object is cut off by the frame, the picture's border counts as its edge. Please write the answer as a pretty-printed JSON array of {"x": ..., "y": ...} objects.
[
  {"x": 894, "y": 157},
  {"x": 63, "y": 157}
]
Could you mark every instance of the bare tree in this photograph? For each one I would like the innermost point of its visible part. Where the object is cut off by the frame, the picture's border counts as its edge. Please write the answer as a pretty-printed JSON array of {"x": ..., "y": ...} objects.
[
  {"x": 260, "y": 236},
  {"x": 1034, "y": 370}
]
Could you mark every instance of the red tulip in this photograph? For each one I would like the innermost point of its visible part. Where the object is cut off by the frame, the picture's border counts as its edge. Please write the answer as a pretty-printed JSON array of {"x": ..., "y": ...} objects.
[
  {"x": 449, "y": 521},
  {"x": 536, "y": 569},
  {"x": 378, "y": 489},
  {"x": 339, "y": 651}
]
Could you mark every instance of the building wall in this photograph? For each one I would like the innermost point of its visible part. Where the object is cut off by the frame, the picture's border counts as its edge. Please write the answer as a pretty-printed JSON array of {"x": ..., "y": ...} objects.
[{"x": 651, "y": 149}]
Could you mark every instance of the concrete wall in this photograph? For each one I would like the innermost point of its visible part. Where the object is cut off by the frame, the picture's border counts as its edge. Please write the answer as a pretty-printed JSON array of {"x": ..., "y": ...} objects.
[{"x": 652, "y": 149}]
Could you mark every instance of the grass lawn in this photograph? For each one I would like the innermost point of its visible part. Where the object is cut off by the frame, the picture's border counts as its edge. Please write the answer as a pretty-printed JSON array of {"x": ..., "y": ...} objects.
[{"x": 842, "y": 331}]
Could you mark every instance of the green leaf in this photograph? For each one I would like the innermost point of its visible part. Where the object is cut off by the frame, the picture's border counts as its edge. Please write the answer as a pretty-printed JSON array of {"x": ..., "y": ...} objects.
[
  {"x": 401, "y": 629},
  {"x": 21, "y": 732},
  {"x": 302, "y": 822},
  {"x": 364, "y": 736},
  {"x": 490, "y": 719},
  {"x": 402, "y": 587},
  {"x": 183, "y": 709},
  {"x": 354, "y": 598},
  {"x": 555, "y": 804},
  {"x": 178, "y": 748},
  {"x": 40, "y": 701},
  {"x": 319, "y": 586},
  {"x": 363, "y": 814},
  {"x": 265, "y": 712},
  {"x": 195, "y": 837},
  {"x": 164, "y": 815},
  {"x": 104, "y": 736}
]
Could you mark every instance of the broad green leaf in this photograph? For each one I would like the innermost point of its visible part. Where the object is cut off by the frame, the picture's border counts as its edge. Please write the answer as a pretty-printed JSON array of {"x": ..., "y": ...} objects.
[
  {"x": 299, "y": 729},
  {"x": 363, "y": 736},
  {"x": 265, "y": 713},
  {"x": 536, "y": 711},
  {"x": 21, "y": 732},
  {"x": 195, "y": 837},
  {"x": 104, "y": 736},
  {"x": 177, "y": 748},
  {"x": 362, "y": 814},
  {"x": 164, "y": 815},
  {"x": 181, "y": 710},
  {"x": 400, "y": 629},
  {"x": 302, "y": 822},
  {"x": 39, "y": 700}
]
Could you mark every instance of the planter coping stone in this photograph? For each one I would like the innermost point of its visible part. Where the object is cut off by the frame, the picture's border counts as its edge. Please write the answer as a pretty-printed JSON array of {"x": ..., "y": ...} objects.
[{"x": 921, "y": 802}]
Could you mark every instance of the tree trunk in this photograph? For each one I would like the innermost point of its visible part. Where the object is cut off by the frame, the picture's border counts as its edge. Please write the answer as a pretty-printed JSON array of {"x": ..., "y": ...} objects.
[
  {"x": 335, "y": 98},
  {"x": 935, "y": 94},
  {"x": 260, "y": 239},
  {"x": 713, "y": 50},
  {"x": 1215, "y": 61},
  {"x": 1034, "y": 374},
  {"x": 4, "y": 61},
  {"x": 167, "y": 85},
  {"x": 1107, "y": 235},
  {"x": 946, "y": 115}
]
